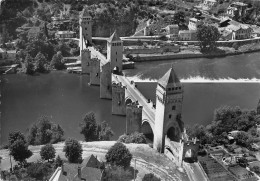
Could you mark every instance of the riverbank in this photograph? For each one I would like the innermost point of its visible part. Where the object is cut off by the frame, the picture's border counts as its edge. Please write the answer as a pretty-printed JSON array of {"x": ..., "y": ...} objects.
[
  {"x": 146, "y": 159},
  {"x": 189, "y": 53}
]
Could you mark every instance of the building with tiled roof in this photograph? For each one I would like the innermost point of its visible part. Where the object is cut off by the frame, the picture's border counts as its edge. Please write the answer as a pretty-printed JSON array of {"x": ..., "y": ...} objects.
[{"x": 88, "y": 170}]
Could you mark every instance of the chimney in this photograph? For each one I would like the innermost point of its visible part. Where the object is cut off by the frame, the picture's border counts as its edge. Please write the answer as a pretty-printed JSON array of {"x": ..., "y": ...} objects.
[{"x": 79, "y": 172}]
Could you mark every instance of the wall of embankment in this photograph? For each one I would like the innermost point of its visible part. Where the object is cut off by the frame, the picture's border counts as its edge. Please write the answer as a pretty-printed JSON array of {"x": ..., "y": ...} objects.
[{"x": 189, "y": 55}]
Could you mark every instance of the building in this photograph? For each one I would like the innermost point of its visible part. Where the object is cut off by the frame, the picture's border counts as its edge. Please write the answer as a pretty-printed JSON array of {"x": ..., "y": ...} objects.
[
  {"x": 233, "y": 30},
  {"x": 236, "y": 9},
  {"x": 187, "y": 35},
  {"x": 240, "y": 32},
  {"x": 65, "y": 34},
  {"x": 88, "y": 170},
  {"x": 208, "y": 4},
  {"x": 194, "y": 23},
  {"x": 3, "y": 54},
  {"x": 172, "y": 31}
]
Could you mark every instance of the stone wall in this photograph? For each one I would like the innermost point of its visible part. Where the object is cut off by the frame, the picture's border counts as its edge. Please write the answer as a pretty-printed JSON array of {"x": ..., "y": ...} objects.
[
  {"x": 118, "y": 99},
  {"x": 174, "y": 49},
  {"x": 133, "y": 117}
]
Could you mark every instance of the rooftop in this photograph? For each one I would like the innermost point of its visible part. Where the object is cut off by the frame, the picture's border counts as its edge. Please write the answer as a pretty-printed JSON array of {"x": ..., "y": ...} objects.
[
  {"x": 114, "y": 37},
  {"x": 239, "y": 4},
  {"x": 169, "y": 78}
]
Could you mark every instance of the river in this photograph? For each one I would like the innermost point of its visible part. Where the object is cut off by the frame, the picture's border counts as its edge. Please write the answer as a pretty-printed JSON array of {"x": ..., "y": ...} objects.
[{"x": 66, "y": 98}]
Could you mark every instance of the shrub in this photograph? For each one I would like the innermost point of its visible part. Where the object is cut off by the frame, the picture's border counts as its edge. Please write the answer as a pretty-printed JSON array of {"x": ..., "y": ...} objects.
[
  {"x": 39, "y": 171},
  {"x": 133, "y": 138},
  {"x": 119, "y": 155},
  {"x": 117, "y": 173}
]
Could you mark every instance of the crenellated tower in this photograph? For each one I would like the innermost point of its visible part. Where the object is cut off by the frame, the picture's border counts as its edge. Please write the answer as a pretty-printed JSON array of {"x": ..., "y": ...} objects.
[
  {"x": 85, "y": 28},
  {"x": 115, "y": 52},
  {"x": 169, "y": 96}
]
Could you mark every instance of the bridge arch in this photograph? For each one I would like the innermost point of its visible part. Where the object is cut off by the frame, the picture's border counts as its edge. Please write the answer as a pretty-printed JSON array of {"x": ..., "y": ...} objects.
[
  {"x": 173, "y": 131},
  {"x": 128, "y": 100},
  {"x": 147, "y": 130},
  {"x": 169, "y": 153}
]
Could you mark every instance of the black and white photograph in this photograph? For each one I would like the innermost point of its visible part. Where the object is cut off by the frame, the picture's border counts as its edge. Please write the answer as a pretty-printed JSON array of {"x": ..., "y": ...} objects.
[{"x": 130, "y": 90}]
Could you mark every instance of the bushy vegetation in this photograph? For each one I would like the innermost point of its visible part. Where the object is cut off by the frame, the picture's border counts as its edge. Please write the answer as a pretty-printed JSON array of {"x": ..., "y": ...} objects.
[
  {"x": 117, "y": 173},
  {"x": 44, "y": 131},
  {"x": 40, "y": 171},
  {"x": 119, "y": 155},
  {"x": 73, "y": 150},
  {"x": 227, "y": 119},
  {"x": 132, "y": 138},
  {"x": 93, "y": 131}
]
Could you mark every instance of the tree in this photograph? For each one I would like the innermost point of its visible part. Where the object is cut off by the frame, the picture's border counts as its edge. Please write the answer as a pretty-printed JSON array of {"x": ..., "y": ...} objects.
[
  {"x": 58, "y": 162},
  {"x": 104, "y": 132},
  {"x": 39, "y": 170},
  {"x": 18, "y": 147},
  {"x": 47, "y": 152},
  {"x": 56, "y": 61},
  {"x": 73, "y": 150},
  {"x": 179, "y": 18},
  {"x": 93, "y": 131},
  {"x": 40, "y": 62},
  {"x": 119, "y": 155},
  {"x": 150, "y": 177},
  {"x": 29, "y": 66},
  {"x": 255, "y": 169},
  {"x": 207, "y": 37},
  {"x": 242, "y": 162},
  {"x": 44, "y": 131},
  {"x": 117, "y": 173},
  {"x": 89, "y": 127}
]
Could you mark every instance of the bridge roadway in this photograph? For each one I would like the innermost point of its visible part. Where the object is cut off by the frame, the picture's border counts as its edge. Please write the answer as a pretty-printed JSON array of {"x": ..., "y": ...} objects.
[{"x": 132, "y": 92}]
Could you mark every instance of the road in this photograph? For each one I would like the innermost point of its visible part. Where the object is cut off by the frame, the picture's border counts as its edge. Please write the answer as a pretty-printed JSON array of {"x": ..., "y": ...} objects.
[
  {"x": 137, "y": 96},
  {"x": 194, "y": 172}
]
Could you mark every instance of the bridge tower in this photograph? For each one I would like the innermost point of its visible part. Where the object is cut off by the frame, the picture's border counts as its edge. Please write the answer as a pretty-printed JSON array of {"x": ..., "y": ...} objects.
[
  {"x": 133, "y": 117},
  {"x": 169, "y": 96},
  {"x": 85, "y": 28},
  {"x": 115, "y": 52},
  {"x": 118, "y": 99},
  {"x": 258, "y": 107},
  {"x": 85, "y": 61}
]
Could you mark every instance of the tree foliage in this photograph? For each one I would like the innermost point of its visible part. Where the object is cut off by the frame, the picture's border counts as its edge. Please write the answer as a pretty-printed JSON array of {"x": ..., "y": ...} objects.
[
  {"x": 40, "y": 62},
  {"x": 207, "y": 36},
  {"x": 150, "y": 177},
  {"x": 93, "y": 131},
  {"x": 18, "y": 147},
  {"x": 56, "y": 61},
  {"x": 39, "y": 171},
  {"x": 47, "y": 152},
  {"x": 117, "y": 173},
  {"x": 119, "y": 155},
  {"x": 132, "y": 138},
  {"x": 73, "y": 151},
  {"x": 179, "y": 18},
  {"x": 29, "y": 66},
  {"x": 44, "y": 131}
]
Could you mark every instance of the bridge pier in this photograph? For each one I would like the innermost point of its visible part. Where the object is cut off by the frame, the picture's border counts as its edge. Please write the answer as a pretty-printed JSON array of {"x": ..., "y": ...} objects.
[
  {"x": 118, "y": 99},
  {"x": 85, "y": 61},
  {"x": 106, "y": 82},
  {"x": 133, "y": 117},
  {"x": 94, "y": 78}
]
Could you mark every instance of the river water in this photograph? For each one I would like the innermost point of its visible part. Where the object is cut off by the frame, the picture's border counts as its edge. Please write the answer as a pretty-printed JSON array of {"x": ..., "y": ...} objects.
[{"x": 66, "y": 98}]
